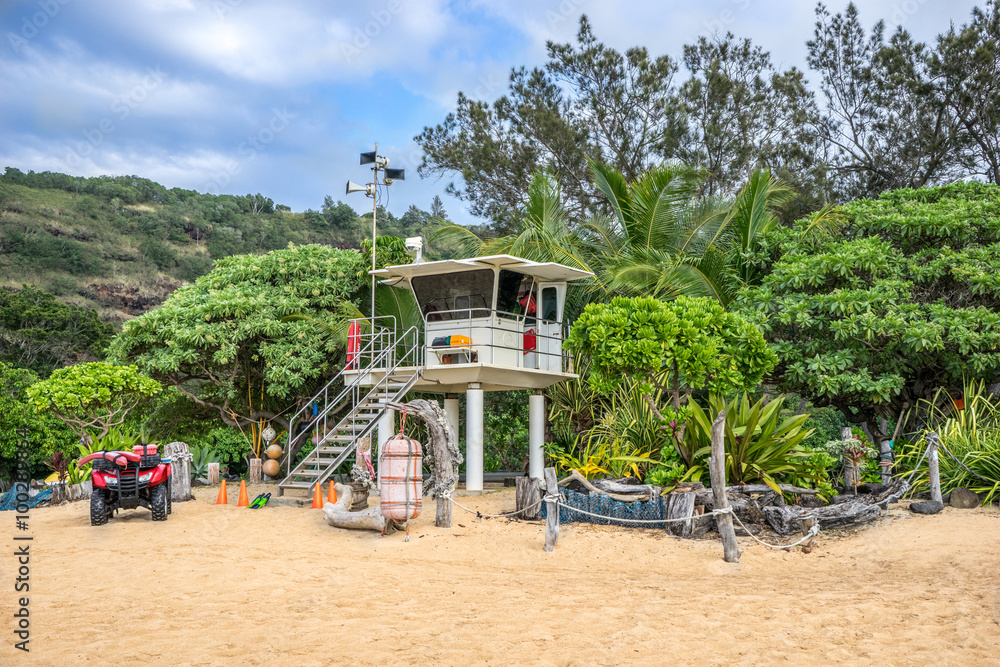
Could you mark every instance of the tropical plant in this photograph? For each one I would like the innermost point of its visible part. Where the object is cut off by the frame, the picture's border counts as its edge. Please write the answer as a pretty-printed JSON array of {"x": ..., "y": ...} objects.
[
  {"x": 92, "y": 396},
  {"x": 200, "y": 458},
  {"x": 759, "y": 447},
  {"x": 59, "y": 464},
  {"x": 223, "y": 339},
  {"x": 26, "y": 436},
  {"x": 669, "y": 349},
  {"x": 969, "y": 444},
  {"x": 904, "y": 300}
]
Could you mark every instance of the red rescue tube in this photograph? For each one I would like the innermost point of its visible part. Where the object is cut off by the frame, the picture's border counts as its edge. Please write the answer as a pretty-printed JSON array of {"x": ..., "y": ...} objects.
[
  {"x": 352, "y": 345},
  {"x": 118, "y": 458}
]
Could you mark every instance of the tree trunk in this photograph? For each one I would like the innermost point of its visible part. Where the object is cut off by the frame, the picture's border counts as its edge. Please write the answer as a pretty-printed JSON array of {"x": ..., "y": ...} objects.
[{"x": 444, "y": 455}]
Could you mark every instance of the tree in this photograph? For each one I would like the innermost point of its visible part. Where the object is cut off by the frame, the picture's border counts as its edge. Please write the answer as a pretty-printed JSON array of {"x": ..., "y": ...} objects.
[
  {"x": 339, "y": 215},
  {"x": 737, "y": 113},
  {"x": 258, "y": 204},
  {"x": 887, "y": 124},
  {"x": 42, "y": 434},
  {"x": 588, "y": 101},
  {"x": 95, "y": 396},
  {"x": 223, "y": 341},
  {"x": 903, "y": 300},
  {"x": 437, "y": 209},
  {"x": 966, "y": 65},
  {"x": 673, "y": 348},
  {"x": 40, "y": 333}
]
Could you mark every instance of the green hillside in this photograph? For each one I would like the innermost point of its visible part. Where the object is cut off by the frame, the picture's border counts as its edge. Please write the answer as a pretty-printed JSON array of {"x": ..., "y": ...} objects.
[{"x": 121, "y": 244}]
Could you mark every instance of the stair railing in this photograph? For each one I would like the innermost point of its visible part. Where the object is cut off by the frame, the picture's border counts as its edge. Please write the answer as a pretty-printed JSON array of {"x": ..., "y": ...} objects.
[{"x": 379, "y": 350}]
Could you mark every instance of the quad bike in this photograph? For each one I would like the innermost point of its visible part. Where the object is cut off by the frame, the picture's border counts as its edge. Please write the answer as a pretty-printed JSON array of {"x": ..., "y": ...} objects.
[{"x": 126, "y": 480}]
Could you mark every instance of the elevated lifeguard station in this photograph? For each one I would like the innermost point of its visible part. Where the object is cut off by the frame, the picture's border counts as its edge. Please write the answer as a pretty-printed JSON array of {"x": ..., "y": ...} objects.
[{"x": 489, "y": 324}]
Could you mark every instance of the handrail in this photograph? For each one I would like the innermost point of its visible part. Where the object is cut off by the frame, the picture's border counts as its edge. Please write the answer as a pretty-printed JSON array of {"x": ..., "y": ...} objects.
[{"x": 388, "y": 351}]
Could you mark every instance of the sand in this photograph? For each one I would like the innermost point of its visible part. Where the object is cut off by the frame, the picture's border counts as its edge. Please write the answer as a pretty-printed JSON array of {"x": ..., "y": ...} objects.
[{"x": 227, "y": 585}]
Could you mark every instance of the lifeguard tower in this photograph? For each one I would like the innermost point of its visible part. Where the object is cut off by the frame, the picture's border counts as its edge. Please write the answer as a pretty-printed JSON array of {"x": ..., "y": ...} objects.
[{"x": 489, "y": 324}]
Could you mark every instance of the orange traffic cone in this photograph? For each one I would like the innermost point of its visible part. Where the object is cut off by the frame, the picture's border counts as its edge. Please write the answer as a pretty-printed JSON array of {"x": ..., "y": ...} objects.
[
  {"x": 223, "y": 498},
  {"x": 318, "y": 498},
  {"x": 331, "y": 496},
  {"x": 244, "y": 501}
]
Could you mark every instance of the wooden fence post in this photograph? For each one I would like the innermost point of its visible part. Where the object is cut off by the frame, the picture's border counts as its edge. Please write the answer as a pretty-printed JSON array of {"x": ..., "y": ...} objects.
[
  {"x": 255, "y": 471},
  {"x": 850, "y": 471},
  {"x": 213, "y": 473},
  {"x": 885, "y": 457},
  {"x": 180, "y": 471},
  {"x": 551, "y": 510},
  {"x": 934, "y": 467},
  {"x": 717, "y": 470},
  {"x": 528, "y": 491}
]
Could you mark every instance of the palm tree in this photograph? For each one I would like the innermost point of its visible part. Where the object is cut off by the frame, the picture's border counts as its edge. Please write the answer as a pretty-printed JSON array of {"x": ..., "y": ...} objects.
[{"x": 661, "y": 238}]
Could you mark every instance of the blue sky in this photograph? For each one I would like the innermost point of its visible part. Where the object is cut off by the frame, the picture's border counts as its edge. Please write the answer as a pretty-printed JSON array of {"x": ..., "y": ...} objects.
[{"x": 240, "y": 96}]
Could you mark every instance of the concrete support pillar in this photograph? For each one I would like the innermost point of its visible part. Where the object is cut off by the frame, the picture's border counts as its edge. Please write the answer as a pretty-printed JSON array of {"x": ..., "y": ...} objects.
[
  {"x": 386, "y": 429},
  {"x": 474, "y": 437},
  {"x": 451, "y": 411},
  {"x": 536, "y": 434}
]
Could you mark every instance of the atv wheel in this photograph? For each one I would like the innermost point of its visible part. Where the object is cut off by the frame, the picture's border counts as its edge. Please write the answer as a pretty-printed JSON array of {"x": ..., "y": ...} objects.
[
  {"x": 158, "y": 502},
  {"x": 169, "y": 493},
  {"x": 99, "y": 507}
]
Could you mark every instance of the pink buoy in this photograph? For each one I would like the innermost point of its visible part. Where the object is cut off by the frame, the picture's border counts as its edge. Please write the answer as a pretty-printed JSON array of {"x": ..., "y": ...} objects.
[{"x": 402, "y": 479}]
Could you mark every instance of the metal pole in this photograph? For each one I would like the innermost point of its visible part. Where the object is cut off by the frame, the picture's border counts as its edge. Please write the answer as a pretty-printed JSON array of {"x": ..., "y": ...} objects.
[{"x": 374, "y": 213}]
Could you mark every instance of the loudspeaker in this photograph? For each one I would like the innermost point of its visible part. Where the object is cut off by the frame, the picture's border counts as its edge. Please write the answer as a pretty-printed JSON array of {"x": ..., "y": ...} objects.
[{"x": 354, "y": 187}]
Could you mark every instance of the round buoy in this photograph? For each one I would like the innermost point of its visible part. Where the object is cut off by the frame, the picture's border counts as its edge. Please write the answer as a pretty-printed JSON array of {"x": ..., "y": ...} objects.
[
  {"x": 402, "y": 479},
  {"x": 271, "y": 467},
  {"x": 274, "y": 452}
]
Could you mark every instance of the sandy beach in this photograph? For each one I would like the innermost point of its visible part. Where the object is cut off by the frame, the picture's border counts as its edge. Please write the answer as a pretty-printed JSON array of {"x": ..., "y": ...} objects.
[{"x": 278, "y": 586}]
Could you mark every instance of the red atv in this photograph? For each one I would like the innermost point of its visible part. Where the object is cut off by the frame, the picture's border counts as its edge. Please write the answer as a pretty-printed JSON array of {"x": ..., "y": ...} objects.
[{"x": 125, "y": 480}]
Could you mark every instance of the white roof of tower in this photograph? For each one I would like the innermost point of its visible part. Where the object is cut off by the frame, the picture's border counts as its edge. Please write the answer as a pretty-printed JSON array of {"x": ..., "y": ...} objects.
[{"x": 548, "y": 271}]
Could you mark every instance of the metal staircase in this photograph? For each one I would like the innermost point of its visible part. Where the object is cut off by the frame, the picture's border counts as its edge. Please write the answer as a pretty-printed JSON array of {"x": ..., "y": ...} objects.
[{"x": 382, "y": 351}]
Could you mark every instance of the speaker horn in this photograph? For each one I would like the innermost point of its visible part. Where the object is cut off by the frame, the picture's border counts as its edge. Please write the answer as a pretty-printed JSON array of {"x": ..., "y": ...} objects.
[
  {"x": 354, "y": 187},
  {"x": 368, "y": 158},
  {"x": 396, "y": 174}
]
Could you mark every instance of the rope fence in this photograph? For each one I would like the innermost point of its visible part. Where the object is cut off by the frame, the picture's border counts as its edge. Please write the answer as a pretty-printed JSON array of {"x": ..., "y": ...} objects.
[{"x": 557, "y": 500}]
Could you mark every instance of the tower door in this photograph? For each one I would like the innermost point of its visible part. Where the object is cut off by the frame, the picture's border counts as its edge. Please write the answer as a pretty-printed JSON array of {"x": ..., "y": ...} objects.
[{"x": 550, "y": 309}]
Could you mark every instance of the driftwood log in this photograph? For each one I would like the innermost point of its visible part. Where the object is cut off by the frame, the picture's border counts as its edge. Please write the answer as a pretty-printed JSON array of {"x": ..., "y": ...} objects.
[
  {"x": 338, "y": 514},
  {"x": 644, "y": 494},
  {"x": 441, "y": 453},
  {"x": 180, "y": 471}
]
